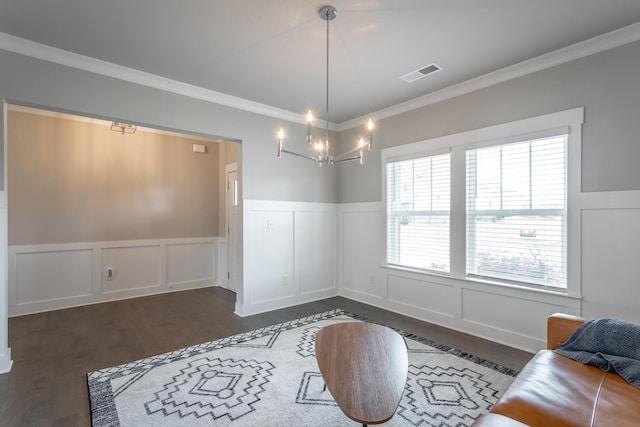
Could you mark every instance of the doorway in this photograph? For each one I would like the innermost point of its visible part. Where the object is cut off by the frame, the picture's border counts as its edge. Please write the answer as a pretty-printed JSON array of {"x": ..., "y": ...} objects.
[{"x": 167, "y": 230}]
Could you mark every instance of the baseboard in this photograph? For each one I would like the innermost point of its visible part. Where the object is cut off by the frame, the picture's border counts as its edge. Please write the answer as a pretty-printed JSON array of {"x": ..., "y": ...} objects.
[
  {"x": 263, "y": 307},
  {"x": 5, "y": 362}
]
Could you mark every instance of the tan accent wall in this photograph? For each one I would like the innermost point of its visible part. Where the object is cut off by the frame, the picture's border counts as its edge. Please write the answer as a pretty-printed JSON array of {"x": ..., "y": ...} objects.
[{"x": 71, "y": 181}]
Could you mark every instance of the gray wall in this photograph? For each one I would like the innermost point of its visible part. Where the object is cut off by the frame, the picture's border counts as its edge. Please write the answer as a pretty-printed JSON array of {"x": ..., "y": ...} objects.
[
  {"x": 76, "y": 181},
  {"x": 606, "y": 84}
]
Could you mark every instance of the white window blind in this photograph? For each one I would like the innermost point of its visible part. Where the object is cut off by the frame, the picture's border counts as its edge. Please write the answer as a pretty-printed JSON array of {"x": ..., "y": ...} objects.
[
  {"x": 418, "y": 212},
  {"x": 516, "y": 206}
]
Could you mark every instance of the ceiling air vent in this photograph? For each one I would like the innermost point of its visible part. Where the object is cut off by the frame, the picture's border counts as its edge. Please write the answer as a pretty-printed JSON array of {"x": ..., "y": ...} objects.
[{"x": 421, "y": 72}]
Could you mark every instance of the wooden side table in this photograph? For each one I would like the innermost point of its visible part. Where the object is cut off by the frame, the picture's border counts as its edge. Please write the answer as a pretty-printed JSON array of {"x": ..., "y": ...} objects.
[{"x": 365, "y": 368}]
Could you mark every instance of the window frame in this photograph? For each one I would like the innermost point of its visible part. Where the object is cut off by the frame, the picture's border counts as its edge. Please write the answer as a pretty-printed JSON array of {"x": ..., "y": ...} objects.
[
  {"x": 524, "y": 212},
  {"x": 457, "y": 144}
]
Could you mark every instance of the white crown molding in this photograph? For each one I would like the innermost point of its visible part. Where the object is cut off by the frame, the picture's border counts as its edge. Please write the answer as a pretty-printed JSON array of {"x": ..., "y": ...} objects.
[
  {"x": 51, "y": 54},
  {"x": 582, "y": 49},
  {"x": 613, "y": 39}
]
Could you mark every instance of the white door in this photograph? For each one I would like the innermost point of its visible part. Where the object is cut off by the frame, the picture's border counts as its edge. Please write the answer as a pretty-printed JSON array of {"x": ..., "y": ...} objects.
[{"x": 232, "y": 224}]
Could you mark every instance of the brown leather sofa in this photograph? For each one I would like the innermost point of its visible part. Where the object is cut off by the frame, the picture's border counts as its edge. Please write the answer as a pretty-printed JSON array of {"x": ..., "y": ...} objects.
[{"x": 555, "y": 391}]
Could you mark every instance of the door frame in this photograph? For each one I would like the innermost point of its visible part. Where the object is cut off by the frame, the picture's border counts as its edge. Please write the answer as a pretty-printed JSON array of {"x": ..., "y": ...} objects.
[{"x": 230, "y": 281}]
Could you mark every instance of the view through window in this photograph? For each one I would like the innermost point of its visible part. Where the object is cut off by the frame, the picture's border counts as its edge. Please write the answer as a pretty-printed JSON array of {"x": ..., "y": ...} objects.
[
  {"x": 418, "y": 206},
  {"x": 516, "y": 211}
]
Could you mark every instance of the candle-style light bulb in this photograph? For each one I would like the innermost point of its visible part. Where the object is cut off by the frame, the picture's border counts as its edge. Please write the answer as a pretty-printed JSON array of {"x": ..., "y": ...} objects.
[
  {"x": 370, "y": 133},
  {"x": 309, "y": 121},
  {"x": 280, "y": 138}
]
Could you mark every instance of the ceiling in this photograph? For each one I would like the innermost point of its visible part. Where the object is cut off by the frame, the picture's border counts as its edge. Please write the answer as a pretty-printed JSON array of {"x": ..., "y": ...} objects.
[{"x": 273, "y": 52}]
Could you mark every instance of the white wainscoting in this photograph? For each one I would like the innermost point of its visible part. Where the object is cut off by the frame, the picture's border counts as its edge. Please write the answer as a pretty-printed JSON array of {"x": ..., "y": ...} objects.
[
  {"x": 190, "y": 264},
  {"x": 512, "y": 316},
  {"x": 50, "y": 277},
  {"x": 289, "y": 259},
  {"x": 133, "y": 267},
  {"x": 610, "y": 254},
  {"x": 289, "y": 255}
]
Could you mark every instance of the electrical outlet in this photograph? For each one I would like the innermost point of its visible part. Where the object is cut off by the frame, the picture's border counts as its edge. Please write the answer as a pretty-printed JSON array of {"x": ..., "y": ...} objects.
[
  {"x": 285, "y": 280},
  {"x": 109, "y": 273},
  {"x": 372, "y": 279}
]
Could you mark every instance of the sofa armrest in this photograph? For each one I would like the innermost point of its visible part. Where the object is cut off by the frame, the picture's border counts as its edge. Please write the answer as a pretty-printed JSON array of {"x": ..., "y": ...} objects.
[{"x": 560, "y": 327}]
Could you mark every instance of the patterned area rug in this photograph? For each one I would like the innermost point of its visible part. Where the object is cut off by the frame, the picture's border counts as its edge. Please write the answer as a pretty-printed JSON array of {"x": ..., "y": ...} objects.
[{"x": 269, "y": 377}]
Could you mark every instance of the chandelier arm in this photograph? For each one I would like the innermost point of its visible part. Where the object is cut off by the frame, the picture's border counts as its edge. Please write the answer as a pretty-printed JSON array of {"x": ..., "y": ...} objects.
[
  {"x": 356, "y": 148},
  {"x": 348, "y": 159},
  {"x": 293, "y": 153}
]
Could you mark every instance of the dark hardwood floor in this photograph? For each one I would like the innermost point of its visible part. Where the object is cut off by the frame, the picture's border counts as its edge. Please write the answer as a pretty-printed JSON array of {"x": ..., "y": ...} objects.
[{"x": 52, "y": 352}]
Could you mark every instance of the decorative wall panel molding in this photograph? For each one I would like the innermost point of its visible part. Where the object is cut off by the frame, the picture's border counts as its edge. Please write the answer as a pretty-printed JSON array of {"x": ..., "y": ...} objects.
[
  {"x": 289, "y": 255},
  {"x": 191, "y": 264},
  {"x": 499, "y": 313},
  {"x": 51, "y": 277}
]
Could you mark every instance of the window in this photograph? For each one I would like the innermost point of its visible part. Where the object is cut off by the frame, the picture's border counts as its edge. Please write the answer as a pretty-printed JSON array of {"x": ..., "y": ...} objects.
[
  {"x": 516, "y": 211},
  {"x": 501, "y": 205},
  {"x": 418, "y": 205}
]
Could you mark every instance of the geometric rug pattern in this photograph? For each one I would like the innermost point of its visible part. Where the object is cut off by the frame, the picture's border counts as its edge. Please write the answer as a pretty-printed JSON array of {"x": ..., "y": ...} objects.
[{"x": 270, "y": 377}]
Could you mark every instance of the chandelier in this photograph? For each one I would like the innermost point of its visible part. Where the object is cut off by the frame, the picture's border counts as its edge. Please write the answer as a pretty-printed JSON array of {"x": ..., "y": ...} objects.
[{"x": 321, "y": 148}]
